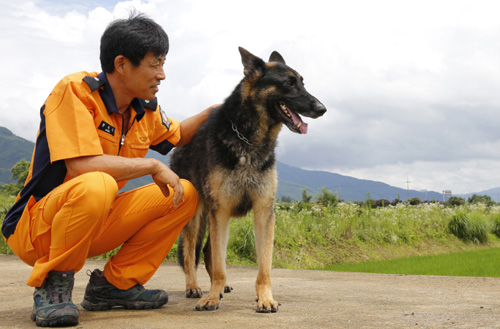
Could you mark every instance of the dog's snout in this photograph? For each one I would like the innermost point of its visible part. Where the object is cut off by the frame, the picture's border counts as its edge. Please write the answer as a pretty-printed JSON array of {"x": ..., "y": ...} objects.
[{"x": 318, "y": 109}]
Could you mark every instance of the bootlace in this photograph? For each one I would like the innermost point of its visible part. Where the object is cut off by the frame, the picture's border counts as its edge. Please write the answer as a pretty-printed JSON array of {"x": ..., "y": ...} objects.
[{"x": 59, "y": 289}]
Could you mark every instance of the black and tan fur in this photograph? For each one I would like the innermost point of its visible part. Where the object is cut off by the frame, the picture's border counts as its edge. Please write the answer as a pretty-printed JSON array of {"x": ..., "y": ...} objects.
[{"x": 231, "y": 162}]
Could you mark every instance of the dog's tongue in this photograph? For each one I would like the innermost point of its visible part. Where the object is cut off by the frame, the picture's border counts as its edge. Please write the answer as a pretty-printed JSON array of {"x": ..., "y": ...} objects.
[{"x": 298, "y": 121}]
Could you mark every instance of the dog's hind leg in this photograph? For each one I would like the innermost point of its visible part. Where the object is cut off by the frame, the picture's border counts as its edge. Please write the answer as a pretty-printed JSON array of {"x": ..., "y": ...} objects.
[
  {"x": 191, "y": 242},
  {"x": 219, "y": 235},
  {"x": 264, "y": 220}
]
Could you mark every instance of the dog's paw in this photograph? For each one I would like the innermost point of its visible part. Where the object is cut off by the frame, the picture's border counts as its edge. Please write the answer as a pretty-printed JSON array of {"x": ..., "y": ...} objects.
[
  {"x": 209, "y": 304},
  {"x": 227, "y": 289},
  {"x": 267, "y": 306},
  {"x": 194, "y": 293}
]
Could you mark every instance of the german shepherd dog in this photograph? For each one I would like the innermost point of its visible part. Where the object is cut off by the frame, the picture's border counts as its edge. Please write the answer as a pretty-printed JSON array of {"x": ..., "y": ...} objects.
[{"x": 231, "y": 162}]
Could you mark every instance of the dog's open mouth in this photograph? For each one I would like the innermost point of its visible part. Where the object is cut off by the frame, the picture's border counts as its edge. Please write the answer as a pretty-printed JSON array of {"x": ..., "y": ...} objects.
[{"x": 292, "y": 119}]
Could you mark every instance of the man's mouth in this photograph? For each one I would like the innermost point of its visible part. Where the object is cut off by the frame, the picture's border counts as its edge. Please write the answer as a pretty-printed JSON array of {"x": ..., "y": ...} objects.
[{"x": 292, "y": 119}]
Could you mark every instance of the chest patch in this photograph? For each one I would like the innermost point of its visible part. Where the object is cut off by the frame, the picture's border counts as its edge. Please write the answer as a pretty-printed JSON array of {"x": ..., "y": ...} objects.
[{"x": 107, "y": 128}]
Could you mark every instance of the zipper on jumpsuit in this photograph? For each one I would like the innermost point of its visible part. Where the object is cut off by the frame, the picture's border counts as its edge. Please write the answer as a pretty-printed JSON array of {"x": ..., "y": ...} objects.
[{"x": 122, "y": 139}]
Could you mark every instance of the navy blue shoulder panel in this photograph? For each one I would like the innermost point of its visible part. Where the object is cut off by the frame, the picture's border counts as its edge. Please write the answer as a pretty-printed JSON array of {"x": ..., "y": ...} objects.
[
  {"x": 151, "y": 105},
  {"x": 45, "y": 177},
  {"x": 94, "y": 82}
]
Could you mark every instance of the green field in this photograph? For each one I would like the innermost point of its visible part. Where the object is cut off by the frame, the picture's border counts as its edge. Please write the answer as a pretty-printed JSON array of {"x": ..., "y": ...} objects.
[{"x": 479, "y": 263}]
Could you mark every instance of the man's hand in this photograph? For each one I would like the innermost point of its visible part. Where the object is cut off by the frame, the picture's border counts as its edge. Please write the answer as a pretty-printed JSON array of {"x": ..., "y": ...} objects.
[
  {"x": 190, "y": 126},
  {"x": 164, "y": 177}
]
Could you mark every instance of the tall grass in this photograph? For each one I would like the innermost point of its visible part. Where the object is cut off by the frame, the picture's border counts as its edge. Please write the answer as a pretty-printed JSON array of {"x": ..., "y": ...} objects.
[
  {"x": 6, "y": 201},
  {"x": 311, "y": 235}
]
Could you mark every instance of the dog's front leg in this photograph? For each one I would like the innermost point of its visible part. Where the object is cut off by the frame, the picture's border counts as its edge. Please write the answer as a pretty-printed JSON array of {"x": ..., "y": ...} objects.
[
  {"x": 192, "y": 237},
  {"x": 264, "y": 219},
  {"x": 219, "y": 233}
]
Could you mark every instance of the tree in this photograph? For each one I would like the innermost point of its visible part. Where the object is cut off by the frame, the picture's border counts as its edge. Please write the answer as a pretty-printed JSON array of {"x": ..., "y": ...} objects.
[
  {"x": 455, "y": 201},
  {"x": 305, "y": 197},
  {"x": 20, "y": 171},
  {"x": 486, "y": 199},
  {"x": 326, "y": 197},
  {"x": 414, "y": 201}
]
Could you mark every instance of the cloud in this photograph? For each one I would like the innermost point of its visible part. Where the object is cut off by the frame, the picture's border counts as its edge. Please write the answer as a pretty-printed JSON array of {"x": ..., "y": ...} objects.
[{"x": 411, "y": 88}]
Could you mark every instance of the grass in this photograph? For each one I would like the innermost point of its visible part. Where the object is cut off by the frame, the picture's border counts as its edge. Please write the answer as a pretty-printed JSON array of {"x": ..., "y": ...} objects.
[{"x": 478, "y": 263}]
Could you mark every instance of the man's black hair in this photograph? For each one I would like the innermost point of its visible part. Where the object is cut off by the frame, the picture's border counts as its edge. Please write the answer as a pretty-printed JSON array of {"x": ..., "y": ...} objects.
[{"x": 133, "y": 38}]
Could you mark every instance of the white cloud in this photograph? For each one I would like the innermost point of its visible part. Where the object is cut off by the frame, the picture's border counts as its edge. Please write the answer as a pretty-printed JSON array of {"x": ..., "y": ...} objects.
[{"x": 411, "y": 87}]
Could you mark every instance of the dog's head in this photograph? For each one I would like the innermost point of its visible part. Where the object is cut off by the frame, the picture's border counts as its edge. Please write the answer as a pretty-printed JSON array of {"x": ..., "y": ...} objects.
[{"x": 281, "y": 89}]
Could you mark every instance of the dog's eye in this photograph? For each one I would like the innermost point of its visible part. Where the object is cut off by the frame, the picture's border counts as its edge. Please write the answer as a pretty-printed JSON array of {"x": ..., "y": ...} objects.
[{"x": 291, "y": 81}]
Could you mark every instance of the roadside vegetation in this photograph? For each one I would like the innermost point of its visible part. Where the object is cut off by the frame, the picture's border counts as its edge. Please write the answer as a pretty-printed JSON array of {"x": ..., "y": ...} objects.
[{"x": 323, "y": 232}]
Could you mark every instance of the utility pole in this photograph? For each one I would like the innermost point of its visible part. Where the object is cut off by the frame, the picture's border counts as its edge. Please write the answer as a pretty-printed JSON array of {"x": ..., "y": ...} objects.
[{"x": 407, "y": 189}]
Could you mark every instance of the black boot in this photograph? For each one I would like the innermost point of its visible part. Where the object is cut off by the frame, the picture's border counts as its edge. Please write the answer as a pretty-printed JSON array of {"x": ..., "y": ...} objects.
[{"x": 53, "y": 306}]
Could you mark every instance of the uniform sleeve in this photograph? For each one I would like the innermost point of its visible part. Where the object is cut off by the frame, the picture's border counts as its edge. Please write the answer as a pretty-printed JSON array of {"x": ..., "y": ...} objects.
[
  {"x": 69, "y": 124},
  {"x": 167, "y": 132}
]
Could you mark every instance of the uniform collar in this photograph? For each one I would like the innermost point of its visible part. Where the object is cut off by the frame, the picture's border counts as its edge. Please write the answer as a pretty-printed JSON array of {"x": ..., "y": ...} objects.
[{"x": 108, "y": 98}]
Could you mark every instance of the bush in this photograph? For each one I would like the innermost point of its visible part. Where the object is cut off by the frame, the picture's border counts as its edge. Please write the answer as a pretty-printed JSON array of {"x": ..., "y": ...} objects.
[
  {"x": 414, "y": 201},
  {"x": 496, "y": 225},
  {"x": 455, "y": 201},
  {"x": 382, "y": 203},
  {"x": 469, "y": 227}
]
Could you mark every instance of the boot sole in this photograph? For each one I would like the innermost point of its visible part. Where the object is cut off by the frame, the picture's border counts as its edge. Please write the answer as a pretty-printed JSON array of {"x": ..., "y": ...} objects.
[
  {"x": 61, "y": 321},
  {"x": 97, "y": 304}
]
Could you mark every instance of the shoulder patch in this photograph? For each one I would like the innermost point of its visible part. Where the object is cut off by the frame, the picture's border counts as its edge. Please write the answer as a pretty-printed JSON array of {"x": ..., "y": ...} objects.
[
  {"x": 94, "y": 82},
  {"x": 164, "y": 119},
  {"x": 151, "y": 105}
]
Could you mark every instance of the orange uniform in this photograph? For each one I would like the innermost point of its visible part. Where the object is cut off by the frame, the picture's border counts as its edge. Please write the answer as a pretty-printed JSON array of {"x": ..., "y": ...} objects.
[{"x": 56, "y": 222}]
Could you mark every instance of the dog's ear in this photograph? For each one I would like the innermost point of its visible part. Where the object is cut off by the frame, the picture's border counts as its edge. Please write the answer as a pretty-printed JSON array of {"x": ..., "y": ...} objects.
[
  {"x": 276, "y": 57},
  {"x": 251, "y": 63}
]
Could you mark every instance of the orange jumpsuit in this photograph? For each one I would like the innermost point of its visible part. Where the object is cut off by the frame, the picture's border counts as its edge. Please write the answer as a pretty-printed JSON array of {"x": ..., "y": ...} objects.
[{"x": 57, "y": 223}]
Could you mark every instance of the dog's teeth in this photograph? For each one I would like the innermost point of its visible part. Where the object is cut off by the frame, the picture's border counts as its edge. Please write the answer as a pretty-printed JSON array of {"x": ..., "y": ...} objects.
[{"x": 299, "y": 124}]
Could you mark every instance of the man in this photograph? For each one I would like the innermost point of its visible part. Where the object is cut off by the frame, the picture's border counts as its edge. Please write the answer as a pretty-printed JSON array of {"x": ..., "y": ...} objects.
[{"x": 94, "y": 133}]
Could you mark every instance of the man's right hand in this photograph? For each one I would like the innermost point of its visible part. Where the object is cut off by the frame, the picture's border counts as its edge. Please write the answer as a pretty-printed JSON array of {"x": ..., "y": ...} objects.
[{"x": 164, "y": 177}]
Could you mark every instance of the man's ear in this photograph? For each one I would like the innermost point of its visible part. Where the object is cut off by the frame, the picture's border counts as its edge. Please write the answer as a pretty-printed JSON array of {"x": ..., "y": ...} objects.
[{"x": 120, "y": 62}]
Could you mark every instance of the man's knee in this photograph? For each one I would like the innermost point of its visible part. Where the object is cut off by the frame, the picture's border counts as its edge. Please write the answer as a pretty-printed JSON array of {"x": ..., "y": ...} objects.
[
  {"x": 96, "y": 189},
  {"x": 190, "y": 193}
]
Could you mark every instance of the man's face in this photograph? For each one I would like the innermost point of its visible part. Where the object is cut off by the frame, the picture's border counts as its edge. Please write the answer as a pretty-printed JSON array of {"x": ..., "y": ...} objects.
[{"x": 143, "y": 81}]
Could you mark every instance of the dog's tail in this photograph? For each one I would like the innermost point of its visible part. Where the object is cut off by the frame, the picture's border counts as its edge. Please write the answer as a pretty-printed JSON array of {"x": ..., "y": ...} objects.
[{"x": 192, "y": 234}]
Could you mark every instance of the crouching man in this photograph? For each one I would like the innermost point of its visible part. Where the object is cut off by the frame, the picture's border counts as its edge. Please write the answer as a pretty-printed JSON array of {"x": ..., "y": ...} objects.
[{"x": 94, "y": 132}]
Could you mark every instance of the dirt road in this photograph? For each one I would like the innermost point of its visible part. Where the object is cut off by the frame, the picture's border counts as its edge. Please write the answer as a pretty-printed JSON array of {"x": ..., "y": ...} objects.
[{"x": 309, "y": 299}]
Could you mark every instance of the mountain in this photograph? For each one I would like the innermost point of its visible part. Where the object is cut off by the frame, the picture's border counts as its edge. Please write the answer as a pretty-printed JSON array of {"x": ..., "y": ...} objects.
[
  {"x": 494, "y": 193},
  {"x": 12, "y": 150},
  {"x": 291, "y": 180}
]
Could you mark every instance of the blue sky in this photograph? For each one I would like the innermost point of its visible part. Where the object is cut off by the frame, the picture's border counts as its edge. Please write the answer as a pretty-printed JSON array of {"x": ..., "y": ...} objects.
[{"x": 411, "y": 87}]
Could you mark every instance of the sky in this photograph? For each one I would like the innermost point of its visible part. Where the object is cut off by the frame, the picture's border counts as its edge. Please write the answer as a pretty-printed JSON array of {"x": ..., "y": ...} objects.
[{"x": 411, "y": 87}]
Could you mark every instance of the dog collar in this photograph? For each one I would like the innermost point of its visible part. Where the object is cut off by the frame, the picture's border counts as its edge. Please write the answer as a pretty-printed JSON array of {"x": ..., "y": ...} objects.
[{"x": 242, "y": 137}]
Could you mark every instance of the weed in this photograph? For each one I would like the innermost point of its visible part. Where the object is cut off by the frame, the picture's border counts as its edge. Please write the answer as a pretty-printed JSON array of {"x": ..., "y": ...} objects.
[{"x": 469, "y": 227}]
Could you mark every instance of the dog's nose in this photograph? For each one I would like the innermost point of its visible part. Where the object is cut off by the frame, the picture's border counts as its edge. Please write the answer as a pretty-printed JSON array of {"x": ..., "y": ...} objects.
[{"x": 319, "y": 109}]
